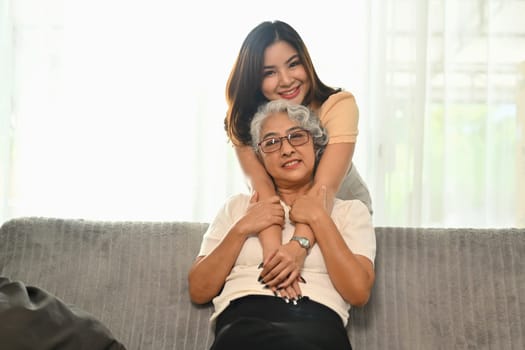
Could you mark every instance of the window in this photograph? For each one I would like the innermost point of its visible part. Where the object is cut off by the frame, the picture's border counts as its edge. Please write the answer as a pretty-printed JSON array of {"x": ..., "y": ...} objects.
[{"x": 114, "y": 109}]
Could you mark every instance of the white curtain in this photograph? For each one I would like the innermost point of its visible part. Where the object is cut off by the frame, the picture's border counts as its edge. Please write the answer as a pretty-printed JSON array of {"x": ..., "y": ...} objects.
[
  {"x": 114, "y": 109},
  {"x": 444, "y": 127},
  {"x": 6, "y": 65}
]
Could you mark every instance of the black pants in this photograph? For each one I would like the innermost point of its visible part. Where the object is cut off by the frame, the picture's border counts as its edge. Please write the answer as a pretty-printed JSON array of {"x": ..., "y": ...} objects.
[
  {"x": 264, "y": 322},
  {"x": 31, "y": 318}
]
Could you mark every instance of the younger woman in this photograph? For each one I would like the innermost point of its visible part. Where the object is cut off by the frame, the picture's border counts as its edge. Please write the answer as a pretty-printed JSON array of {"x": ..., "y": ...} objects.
[{"x": 274, "y": 63}]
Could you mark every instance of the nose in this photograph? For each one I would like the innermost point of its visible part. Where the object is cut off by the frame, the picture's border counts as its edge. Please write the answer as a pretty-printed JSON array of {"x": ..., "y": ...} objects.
[
  {"x": 286, "y": 148},
  {"x": 285, "y": 79}
]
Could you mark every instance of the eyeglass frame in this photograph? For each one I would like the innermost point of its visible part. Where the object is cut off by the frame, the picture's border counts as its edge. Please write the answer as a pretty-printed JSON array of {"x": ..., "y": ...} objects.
[{"x": 287, "y": 137}]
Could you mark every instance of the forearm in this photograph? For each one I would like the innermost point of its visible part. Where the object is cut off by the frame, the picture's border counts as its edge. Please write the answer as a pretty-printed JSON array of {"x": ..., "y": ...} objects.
[
  {"x": 208, "y": 273},
  {"x": 352, "y": 275},
  {"x": 303, "y": 230},
  {"x": 332, "y": 169},
  {"x": 259, "y": 181},
  {"x": 256, "y": 175}
]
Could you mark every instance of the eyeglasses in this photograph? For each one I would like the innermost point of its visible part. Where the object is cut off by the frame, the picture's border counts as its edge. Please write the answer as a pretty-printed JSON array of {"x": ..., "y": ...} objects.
[{"x": 295, "y": 138}]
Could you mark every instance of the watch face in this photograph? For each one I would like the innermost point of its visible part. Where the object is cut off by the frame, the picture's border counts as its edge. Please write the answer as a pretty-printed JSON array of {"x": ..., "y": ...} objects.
[{"x": 304, "y": 242}]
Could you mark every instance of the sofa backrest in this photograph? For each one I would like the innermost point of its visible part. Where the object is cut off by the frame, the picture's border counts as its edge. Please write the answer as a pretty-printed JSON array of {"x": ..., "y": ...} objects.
[
  {"x": 445, "y": 289},
  {"x": 435, "y": 288}
]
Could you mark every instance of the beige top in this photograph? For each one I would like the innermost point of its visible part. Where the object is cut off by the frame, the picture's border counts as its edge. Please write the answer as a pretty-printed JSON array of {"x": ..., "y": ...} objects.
[{"x": 340, "y": 116}]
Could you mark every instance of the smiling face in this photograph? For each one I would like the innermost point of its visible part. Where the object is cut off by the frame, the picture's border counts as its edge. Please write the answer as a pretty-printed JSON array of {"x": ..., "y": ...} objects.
[
  {"x": 284, "y": 74},
  {"x": 291, "y": 166}
]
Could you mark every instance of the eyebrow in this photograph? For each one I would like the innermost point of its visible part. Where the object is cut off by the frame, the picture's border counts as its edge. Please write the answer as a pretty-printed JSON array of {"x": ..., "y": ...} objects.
[
  {"x": 273, "y": 133},
  {"x": 287, "y": 61}
]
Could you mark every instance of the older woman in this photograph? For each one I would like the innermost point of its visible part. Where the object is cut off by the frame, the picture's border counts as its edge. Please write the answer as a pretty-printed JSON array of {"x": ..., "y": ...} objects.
[{"x": 337, "y": 273}]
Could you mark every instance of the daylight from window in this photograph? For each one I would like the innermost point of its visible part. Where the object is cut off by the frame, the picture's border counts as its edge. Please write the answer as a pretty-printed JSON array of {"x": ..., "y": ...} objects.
[{"x": 113, "y": 110}]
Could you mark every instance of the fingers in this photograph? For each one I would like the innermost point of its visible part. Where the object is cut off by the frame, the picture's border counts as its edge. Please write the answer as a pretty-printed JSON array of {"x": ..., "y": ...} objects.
[
  {"x": 274, "y": 200},
  {"x": 262, "y": 214},
  {"x": 266, "y": 263},
  {"x": 277, "y": 267},
  {"x": 283, "y": 266},
  {"x": 255, "y": 198},
  {"x": 289, "y": 280},
  {"x": 280, "y": 276},
  {"x": 290, "y": 294},
  {"x": 272, "y": 268},
  {"x": 279, "y": 279}
]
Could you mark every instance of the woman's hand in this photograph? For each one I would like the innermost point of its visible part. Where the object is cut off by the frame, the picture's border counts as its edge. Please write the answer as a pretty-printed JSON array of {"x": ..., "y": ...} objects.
[
  {"x": 283, "y": 266},
  {"x": 282, "y": 271},
  {"x": 292, "y": 293},
  {"x": 261, "y": 215},
  {"x": 307, "y": 208}
]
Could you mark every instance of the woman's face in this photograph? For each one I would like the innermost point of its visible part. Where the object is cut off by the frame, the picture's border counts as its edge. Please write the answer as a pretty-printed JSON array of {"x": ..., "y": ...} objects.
[
  {"x": 291, "y": 165},
  {"x": 284, "y": 75}
]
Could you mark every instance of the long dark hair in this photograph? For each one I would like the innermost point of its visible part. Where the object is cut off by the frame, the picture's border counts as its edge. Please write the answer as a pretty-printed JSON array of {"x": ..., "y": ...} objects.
[{"x": 243, "y": 89}]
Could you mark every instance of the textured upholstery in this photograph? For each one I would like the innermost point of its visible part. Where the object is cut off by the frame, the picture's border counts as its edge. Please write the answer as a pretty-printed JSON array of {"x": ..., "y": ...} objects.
[{"x": 435, "y": 288}]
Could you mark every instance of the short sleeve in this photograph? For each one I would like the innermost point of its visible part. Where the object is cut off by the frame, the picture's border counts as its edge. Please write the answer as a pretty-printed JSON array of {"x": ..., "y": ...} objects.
[
  {"x": 227, "y": 215},
  {"x": 355, "y": 224},
  {"x": 340, "y": 116}
]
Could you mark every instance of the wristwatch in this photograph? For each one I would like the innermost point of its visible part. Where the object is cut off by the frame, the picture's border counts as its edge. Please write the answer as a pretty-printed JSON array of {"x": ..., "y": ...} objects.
[{"x": 303, "y": 242}]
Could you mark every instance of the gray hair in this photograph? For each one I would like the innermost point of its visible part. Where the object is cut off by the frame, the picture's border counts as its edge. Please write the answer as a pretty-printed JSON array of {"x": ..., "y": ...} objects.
[{"x": 304, "y": 117}]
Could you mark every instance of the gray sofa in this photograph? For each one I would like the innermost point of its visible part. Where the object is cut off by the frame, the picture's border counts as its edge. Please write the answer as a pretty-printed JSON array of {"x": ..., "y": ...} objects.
[{"x": 435, "y": 288}]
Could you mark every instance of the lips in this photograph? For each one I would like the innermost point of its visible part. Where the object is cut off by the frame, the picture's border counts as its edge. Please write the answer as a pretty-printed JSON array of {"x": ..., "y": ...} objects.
[
  {"x": 290, "y": 94},
  {"x": 291, "y": 164}
]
